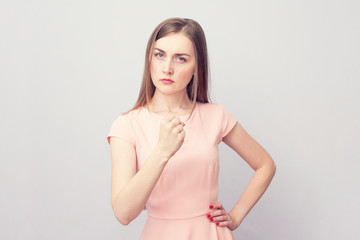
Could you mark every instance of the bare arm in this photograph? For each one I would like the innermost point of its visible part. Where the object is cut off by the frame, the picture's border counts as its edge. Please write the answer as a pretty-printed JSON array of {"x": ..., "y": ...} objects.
[
  {"x": 259, "y": 160},
  {"x": 130, "y": 190}
]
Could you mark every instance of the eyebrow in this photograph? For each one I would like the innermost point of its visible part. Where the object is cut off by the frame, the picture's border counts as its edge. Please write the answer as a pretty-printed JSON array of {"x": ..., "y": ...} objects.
[{"x": 177, "y": 54}]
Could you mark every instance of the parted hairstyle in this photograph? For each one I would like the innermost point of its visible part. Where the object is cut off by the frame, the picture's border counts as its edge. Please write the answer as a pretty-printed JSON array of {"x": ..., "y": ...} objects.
[{"x": 197, "y": 88}]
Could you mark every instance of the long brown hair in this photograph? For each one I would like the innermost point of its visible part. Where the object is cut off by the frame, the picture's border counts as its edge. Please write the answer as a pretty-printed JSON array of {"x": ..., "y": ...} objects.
[{"x": 197, "y": 88}]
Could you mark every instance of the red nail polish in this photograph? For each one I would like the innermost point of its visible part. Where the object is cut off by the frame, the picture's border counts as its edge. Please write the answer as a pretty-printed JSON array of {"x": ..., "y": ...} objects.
[
  {"x": 211, "y": 219},
  {"x": 217, "y": 224},
  {"x": 211, "y": 206},
  {"x": 208, "y": 215}
]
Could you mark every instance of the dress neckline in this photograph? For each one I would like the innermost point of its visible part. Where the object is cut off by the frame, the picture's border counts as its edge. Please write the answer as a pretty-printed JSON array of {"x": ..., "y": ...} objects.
[{"x": 185, "y": 117}]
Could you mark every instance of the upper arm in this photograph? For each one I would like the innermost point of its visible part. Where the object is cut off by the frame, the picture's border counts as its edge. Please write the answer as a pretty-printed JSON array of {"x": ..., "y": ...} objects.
[
  {"x": 123, "y": 164},
  {"x": 250, "y": 150}
]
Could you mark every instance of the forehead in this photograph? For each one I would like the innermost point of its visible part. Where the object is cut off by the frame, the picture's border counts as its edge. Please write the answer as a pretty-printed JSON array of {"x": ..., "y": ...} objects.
[{"x": 175, "y": 43}]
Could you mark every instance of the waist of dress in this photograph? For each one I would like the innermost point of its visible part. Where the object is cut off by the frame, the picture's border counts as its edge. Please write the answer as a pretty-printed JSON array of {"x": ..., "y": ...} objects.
[{"x": 178, "y": 216}]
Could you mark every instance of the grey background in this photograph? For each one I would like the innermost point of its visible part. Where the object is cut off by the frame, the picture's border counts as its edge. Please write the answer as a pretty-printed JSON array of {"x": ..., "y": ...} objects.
[{"x": 287, "y": 70}]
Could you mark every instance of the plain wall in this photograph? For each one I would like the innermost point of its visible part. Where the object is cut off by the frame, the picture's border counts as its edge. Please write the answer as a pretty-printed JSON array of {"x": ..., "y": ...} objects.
[{"x": 287, "y": 70}]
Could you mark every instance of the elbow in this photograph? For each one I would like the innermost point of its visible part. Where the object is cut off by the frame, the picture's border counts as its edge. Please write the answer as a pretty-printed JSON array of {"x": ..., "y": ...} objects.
[
  {"x": 123, "y": 220},
  {"x": 269, "y": 169},
  {"x": 122, "y": 216},
  {"x": 273, "y": 168}
]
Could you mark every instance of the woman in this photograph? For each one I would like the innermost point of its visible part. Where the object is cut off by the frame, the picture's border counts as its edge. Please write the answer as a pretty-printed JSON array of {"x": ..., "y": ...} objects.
[{"x": 164, "y": 151}]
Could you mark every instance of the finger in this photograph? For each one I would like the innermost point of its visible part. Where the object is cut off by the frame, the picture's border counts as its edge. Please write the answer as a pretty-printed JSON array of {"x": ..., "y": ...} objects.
[
  {"x": 179, "y": 128},
  {"x": 218, "y": 213},
  {"x": 223, "y": 220},
  {"x": 216, "y": 206},
  {"x": 169, "y": 117},
  {"x": 182, "y": 135},
  {"x": 175, "y": 121},
  {"x": 223, "y": 224},
  {"x": 220, "y": 218}
]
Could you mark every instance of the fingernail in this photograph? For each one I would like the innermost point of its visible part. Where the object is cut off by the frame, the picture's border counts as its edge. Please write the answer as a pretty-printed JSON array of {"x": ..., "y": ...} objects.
[
  {"x": 182, "y": 124},
  {"x": 211, "y": 219},
  {"x": 208, "y": 215},
  {"x": 211, "y": 206},
  {"x": 217, "y": 224}
]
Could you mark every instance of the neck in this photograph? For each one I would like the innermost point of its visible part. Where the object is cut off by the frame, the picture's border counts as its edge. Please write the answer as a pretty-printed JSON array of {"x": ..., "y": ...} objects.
[{"x": 173, "y": 103}]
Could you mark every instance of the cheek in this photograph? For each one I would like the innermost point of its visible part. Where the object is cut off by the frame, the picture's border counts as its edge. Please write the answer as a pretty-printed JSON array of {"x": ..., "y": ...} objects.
[
  {"x": 154, "y": 66},
  {"x": 152, "y": 73},
  {"x": 186, "y": 74},
  {"x": 152, "y": 69}
]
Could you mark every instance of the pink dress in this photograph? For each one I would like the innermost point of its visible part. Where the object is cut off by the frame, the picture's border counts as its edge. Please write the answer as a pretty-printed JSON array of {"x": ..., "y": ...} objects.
[{"x": 179, "y": 202}]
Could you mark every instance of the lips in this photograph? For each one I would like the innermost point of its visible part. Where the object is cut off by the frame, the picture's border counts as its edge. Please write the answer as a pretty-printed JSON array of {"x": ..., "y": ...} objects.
[{"x": 166, "y": 81}]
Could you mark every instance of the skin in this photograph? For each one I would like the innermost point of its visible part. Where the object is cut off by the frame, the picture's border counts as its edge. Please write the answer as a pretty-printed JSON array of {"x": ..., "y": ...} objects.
[
  {"x": 259, "y": 160},
  {"x": 174, "y": 58}
]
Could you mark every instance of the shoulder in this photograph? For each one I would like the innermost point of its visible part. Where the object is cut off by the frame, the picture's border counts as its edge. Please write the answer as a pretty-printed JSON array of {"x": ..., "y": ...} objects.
[
  {"x": 214, "y": 110},
  {"x": 124, "y": 125},
  {"x": 217, "y": 118},
  {"x": 129, "y": 116},
  {"x": 211, "y": 108}
]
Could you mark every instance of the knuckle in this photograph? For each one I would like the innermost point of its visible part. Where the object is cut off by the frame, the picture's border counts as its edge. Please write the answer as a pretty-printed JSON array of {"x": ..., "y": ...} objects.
[
  {"x": 169, "y": 117},
  {"x": 172, "y": 116},
  {"x": 176, "y": 120}
]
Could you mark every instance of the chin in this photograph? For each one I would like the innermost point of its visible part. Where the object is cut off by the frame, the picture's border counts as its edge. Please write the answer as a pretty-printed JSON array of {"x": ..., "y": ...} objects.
[{"x": 167, "y": 91}]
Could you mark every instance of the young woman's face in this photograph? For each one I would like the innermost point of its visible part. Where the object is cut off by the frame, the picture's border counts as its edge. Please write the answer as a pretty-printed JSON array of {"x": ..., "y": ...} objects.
[{"x": 173, "y": 63}]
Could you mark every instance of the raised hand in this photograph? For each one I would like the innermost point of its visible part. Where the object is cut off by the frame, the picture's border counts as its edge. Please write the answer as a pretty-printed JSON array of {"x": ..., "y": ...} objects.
[{"x": 171, "y": 135}]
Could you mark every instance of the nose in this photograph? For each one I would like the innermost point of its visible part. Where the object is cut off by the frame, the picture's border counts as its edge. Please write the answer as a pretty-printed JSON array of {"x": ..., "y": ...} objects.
[{"x": 168, "y": 67}]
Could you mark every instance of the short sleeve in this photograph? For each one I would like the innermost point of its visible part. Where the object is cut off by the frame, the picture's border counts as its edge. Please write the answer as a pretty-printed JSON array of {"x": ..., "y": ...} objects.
[
  {"x": 122, "y": 128},
  {"x": 228, "y": 122}
]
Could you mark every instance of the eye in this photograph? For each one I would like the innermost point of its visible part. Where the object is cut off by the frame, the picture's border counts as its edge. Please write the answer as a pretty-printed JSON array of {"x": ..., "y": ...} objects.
[
  {"x": 159, "y": 55},
  {"x": 181, "y": 59}
]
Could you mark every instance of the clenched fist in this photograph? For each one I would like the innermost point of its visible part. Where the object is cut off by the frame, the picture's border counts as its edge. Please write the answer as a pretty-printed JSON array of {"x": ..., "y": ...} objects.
[{"x": 171, "y": 135}]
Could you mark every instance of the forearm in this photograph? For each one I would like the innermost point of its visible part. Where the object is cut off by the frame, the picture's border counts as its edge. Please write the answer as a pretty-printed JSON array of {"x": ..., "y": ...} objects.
[
  {"x": 130, "y": 201},
  {"x": 255, "y": 189}
]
